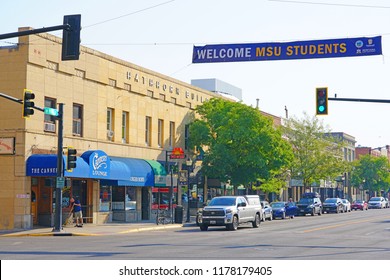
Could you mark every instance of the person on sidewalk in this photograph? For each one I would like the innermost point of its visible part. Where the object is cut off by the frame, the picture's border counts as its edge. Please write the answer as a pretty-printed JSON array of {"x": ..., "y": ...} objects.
[{"x": 76, "y": 207}]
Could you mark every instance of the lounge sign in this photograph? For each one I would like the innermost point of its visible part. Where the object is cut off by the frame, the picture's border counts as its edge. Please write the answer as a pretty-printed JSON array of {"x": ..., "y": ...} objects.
[{"x": 332, "y": 48}]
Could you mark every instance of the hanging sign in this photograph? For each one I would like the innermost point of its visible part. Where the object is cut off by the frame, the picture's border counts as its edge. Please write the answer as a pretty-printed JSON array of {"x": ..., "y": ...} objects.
[{"x": 347, "y": 47}]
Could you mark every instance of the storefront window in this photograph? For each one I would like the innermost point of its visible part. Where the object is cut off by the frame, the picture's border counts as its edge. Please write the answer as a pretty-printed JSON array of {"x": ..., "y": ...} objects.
[
  {"x": 124, "y": 198},
  {"x": 130, "y": 202},
  {"x": 105, "y": 198}
]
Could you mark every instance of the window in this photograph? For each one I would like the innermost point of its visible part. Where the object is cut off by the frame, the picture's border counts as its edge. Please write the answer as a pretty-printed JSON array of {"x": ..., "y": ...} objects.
[
  {"x": 160, "y": 132},
  {"x": 77, "y": 120},
  {"x": 110, "y": 124},
  {"x": 148, "y": 126},
  {"x": 49, "y": 121},
  {"x": 125, "y": 127},
  {"x": 112, "y": 82},
  {"x": 171, "y": 134}
]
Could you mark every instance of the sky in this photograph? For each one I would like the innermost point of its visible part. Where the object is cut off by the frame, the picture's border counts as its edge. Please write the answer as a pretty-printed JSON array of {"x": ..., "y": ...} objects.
[{"x": 160, "y": 35}]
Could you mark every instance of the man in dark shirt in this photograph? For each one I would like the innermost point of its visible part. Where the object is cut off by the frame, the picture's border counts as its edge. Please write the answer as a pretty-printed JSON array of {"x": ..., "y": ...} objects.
[{"x": 76, "y": 207}]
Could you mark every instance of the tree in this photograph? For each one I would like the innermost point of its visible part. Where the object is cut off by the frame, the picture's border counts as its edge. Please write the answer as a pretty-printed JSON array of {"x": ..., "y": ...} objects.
[
  {"x": 372, "y": 173},
  {"x": 240, "y": 144},
  {"x": 316, "y": 154}
]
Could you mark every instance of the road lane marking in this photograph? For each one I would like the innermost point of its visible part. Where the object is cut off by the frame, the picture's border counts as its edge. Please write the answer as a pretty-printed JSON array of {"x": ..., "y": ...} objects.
[{"x": 343, "y": 224}]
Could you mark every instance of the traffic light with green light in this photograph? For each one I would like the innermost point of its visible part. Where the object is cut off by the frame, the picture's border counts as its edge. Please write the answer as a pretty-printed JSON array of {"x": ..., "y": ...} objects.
[
  {"x": 321, "y": 101},
  {"x": 71, "y": 159},
  {"x": 28, "y": 104}
]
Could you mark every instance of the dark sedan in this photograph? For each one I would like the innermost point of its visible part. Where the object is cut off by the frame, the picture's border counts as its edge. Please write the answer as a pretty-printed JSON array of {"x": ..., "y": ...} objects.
[{"x": 333, "y": 205}]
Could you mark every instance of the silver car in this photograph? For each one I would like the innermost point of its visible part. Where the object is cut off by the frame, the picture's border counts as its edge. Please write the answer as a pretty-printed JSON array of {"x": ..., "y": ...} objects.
[
  {"x": 377, "y": 202},
  {"x": 267, "y": 211},
  {"x": 347, "y": 205}
]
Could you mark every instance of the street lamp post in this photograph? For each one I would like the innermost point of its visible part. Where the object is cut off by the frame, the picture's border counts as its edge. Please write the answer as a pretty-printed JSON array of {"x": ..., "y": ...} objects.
[{"x": 189, "y": 166}]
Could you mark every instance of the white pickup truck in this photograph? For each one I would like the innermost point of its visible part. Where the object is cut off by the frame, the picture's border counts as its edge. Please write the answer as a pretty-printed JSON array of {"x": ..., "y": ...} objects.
[{"x": 231, "y": 211}]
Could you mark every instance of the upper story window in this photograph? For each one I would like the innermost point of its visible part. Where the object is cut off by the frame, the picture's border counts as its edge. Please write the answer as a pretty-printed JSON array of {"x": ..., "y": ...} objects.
[
  {"x": 112, "y": 82},
  {"x": 110, "y": 124},
  {"x": 49, "y": 121},
  {"x": 148, "y": 131},
  {"x": 160, "y": 133},
  {"x": 171, "y": 134},
  {"x": 125, "y": 127},
  {"x": 77, "y": 127}
]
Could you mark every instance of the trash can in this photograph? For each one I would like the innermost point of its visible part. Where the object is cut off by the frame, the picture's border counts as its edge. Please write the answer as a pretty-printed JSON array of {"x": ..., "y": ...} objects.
[{"x": 179, "y": 214}]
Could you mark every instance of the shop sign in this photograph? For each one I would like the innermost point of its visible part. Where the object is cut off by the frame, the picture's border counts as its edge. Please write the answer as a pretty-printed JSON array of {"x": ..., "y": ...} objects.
[
  {"x": 99, "y": 164},
  {"x": 177, "y": 153}
]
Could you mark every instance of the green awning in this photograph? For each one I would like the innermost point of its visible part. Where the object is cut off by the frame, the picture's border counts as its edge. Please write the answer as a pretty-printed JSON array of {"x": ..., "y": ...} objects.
[{"x": 159, "y": 173}]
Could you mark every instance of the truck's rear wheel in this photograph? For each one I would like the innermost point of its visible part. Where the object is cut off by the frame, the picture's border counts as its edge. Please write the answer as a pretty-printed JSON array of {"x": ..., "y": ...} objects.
[{"x": 256, "y": 222}]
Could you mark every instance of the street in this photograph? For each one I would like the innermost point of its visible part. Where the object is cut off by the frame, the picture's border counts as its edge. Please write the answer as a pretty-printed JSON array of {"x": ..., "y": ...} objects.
[{"x": 358, "y": 235}]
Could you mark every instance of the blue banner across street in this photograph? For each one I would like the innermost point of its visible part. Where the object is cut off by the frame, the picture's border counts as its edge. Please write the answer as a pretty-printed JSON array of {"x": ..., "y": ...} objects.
[{"x": 348, "y": 47}]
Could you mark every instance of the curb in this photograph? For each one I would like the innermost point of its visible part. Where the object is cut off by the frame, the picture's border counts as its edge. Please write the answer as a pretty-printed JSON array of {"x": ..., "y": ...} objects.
[{"x": 140, "y": 229}]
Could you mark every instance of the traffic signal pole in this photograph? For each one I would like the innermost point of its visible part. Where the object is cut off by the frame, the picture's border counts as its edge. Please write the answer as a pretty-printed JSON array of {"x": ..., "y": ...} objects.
[
  {"x": 360, "y": 100},
  {"x": 60, "y": 171}
]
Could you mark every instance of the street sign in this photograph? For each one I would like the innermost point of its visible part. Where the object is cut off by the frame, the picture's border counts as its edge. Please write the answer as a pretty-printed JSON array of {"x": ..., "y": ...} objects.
[
  {"x": 60, "y": 182},
  {"x": 50, "y": 111}
]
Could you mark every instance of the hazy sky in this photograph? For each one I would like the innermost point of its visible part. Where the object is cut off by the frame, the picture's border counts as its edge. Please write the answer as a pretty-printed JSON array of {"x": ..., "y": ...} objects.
[{"x": 160, "y": 35}]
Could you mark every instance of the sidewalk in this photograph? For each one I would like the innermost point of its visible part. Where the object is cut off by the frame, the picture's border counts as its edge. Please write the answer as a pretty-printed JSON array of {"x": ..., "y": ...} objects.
[{"x": 94, "y": 230}]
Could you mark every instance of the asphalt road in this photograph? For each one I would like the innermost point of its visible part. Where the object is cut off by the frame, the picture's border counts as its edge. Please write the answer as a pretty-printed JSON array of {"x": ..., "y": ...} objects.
[{"x": 360, "y": 235}]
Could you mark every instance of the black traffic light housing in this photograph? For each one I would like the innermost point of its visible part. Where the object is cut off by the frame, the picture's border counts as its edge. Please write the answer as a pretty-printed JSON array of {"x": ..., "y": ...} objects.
[
  {"x": 71, "y": 37},
  {"x": 71, "y": 159},
  {"x": 322, "y": 101},
  {"x": 28, "y": 105}
]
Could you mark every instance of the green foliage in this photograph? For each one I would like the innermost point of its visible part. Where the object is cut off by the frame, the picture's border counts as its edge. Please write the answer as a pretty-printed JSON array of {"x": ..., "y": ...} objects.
[
  {"x": 240, "y": 144},
  {"x": 316, "y": 154},
  {"x": 372, "y": 173}
]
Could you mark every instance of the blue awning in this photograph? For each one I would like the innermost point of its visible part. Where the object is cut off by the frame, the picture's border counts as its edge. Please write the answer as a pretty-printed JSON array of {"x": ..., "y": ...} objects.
[
  {"x": 130, "y": 172},
  {"x": 46, "y": 165},
  {"x": 113, "y": 171}
]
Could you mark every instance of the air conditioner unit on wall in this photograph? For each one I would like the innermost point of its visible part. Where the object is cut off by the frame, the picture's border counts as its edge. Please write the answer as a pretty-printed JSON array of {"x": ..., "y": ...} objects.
[
  {"x": 110, "y": 134},
  {"x": 51, "y": 127}
]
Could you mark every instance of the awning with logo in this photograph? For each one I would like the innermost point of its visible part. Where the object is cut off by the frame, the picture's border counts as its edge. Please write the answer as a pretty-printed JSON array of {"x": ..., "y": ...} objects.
[
  {"x": 112, "y": 171},
  {"x": 46, "y": 166}
]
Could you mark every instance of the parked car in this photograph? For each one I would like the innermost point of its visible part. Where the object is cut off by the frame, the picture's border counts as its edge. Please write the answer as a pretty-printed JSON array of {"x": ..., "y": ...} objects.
[
  {"x": 333, "y": 204},
  {"x": 279, "y": 209},
  {"x": 267, "y": 211},
  {"x": 283, "y": 209},
  {"x": 359, "y": 205},
  {"x": 231, "y": 211},
  {"x": 347, "y": 205},
  {"x": 387, "y": 202},
  {"x": 377, "y": 202},
  {"x": 310, "y": 203}
]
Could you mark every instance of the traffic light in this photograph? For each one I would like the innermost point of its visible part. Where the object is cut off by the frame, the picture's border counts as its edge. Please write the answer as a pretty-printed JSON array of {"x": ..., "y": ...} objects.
[
  {"x": 28, "y": 105},
  {"x": 71, "y": 37},
  {"x": 71, "y": 159},
  {"x": 321, "y": 101}
]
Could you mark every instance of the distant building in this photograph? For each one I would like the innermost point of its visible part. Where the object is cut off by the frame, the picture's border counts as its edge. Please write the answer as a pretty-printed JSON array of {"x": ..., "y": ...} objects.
[
  {"x": 219, "y": 87},
  {"x": 375, "y": 152}
]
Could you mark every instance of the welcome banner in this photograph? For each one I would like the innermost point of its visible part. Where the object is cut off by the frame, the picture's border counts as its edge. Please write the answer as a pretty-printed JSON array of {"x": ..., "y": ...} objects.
[{"x": 291, "y": 50}]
